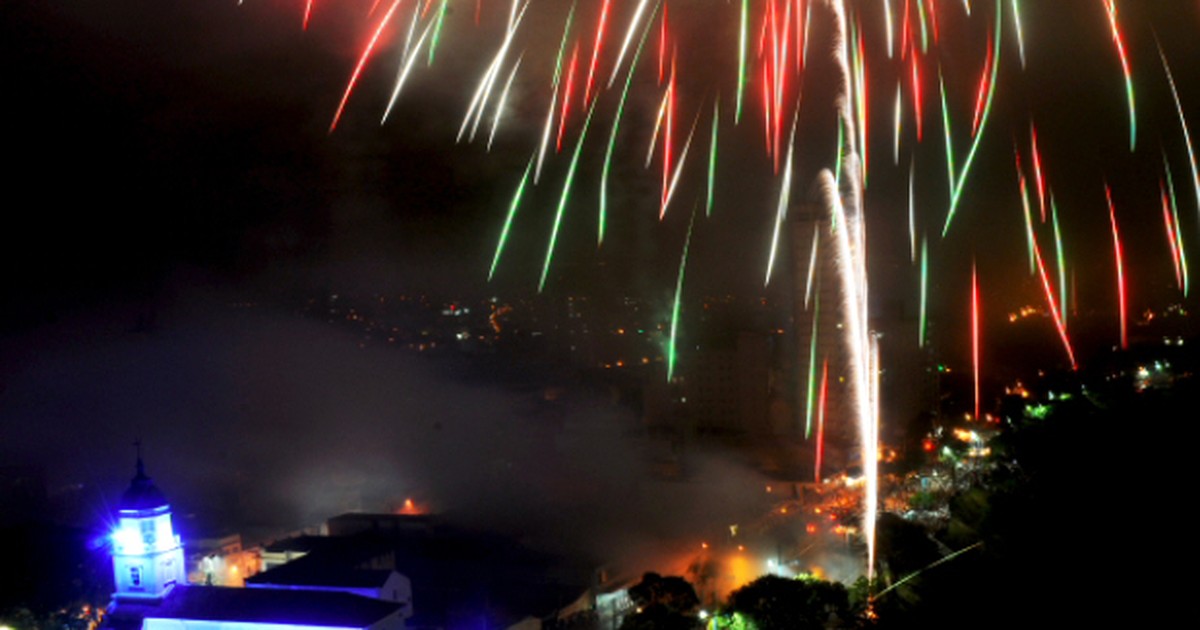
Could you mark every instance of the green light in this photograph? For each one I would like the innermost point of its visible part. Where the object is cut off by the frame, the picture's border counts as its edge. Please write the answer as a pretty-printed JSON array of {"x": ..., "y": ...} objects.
[
  {"x": 712, "y": 159},
  {"x": 946, "y": 129},
  {"x": 671, "y": 354},
  {"x": 1038, "y": 412},
  {"x": 812, "y": 369},
  {"x": 437, "y": 30},
  {"x": 1060, "y": 256},
  {"x": 612, "y": 136},
  {"x": 987, "y": 108},
  {"x": 841, "y": 150},
  {"x": 1175, "y": 218},
  {"x": 512, "y": 212},
  {"x": 562, "y": 201},
  {"x": 924, "y": 30},
  {"x": 1030, "y": 237}
]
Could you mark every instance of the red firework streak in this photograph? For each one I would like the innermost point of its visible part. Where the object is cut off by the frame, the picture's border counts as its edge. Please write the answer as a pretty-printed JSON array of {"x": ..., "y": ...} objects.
[
  {"x": 821, "y": 419},
  {"x": 662, "y": 47},
  {"x": 1172, "y": 238},
  {"x": 800, "y": 26},
  {"x": 933, "y": 23},
  {"x": 1040, "y": 265},
  {"x": 1112, "y": 217},
  {"x": 668, "y": 141},
  {"x": 1037, "y": 171},
  {"x": 975, "y": 332},
  {"x": 984, "y": 88},
  {"x": 362, "y": 61},
  {"x": 779, "y": 57},
  {"x": 916, "y": 89},
  {"x": 566, "y": 104},
  {"x": 1049, "y": 290},
  {"x": 587, "y": 94}
]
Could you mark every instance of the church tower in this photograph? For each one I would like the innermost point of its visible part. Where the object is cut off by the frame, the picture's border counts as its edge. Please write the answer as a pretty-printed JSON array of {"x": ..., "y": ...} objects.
[{"x": 147, "y": 554}]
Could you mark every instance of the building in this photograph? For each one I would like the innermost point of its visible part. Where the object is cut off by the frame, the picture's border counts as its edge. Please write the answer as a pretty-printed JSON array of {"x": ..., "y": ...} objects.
[
  {"x": 151, "y": 592},
  {"x": 460, "y": 578},
  {"x": 147, "y": 553}
]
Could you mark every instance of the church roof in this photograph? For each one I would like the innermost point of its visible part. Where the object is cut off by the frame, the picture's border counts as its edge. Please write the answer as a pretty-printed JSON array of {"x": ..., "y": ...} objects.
[
  {"x": 142, "y": 494},
  {"x": 259, "y": 605}
]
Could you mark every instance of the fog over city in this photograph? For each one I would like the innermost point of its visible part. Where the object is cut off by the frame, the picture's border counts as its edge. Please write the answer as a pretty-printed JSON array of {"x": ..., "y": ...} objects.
[{"x": 275, "y": 422}]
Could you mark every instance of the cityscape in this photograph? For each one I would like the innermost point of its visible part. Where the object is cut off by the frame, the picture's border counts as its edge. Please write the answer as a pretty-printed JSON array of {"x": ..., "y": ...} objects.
[{"x": 269, "y": 361}]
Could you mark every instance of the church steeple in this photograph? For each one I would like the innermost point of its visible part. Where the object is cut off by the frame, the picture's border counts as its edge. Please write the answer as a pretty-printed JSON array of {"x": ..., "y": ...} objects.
[
  {"x": 142, "y": 493},
  {"x": 147, "y": 553}
]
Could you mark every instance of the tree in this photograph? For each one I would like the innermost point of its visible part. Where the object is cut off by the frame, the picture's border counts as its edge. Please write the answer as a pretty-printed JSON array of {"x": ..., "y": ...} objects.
[
  {"x": 777, "y": 603},
  {"x": 1055, "y": 532},
  {"x": 664, "y": 603},
  {"x": 672, "y": 592}
]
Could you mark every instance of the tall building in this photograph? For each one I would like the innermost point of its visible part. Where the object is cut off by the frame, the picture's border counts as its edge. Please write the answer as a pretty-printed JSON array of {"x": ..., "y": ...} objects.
[{"x": 728, "y": 388}]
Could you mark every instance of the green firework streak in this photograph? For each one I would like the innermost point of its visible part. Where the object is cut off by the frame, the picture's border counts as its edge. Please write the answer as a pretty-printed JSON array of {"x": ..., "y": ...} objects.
[
  {"x": 612, "y": 135},
  {"x": 562, "y": 200},
  {"x": 671, "y": 346},
  {"x": 712, "y": 159},
  {"x": 512, "y": 212},
  {"x": 961, "y": 180}
]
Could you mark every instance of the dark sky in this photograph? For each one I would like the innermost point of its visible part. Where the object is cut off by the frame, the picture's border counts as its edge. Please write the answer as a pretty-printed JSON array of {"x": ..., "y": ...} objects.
[
  {"x": 144, "y": 137},
  {"x": 174, "y": 157}
]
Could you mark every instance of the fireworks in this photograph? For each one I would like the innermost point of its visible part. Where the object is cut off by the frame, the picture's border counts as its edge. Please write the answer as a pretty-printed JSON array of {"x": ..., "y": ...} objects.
[
  {"x": 975, "y": 333},
  {"x": 763, "y": 57},
  {"x": 1119, "y": 256}
]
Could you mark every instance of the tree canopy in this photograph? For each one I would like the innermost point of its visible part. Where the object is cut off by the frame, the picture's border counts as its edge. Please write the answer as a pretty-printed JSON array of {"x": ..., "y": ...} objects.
[
  {"x": 778, "y": 603},
  {"x": 664, "y": 603}
]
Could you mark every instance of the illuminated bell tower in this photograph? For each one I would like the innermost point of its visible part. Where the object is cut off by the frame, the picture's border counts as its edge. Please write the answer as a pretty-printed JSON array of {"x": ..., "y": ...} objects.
[{"x": 147, "y": 554}]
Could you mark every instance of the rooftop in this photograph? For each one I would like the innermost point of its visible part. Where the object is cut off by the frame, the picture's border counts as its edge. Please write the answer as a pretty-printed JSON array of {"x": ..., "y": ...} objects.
[
  {"x": 142, "y": 494},
  {"x": 214, "y": 603}
]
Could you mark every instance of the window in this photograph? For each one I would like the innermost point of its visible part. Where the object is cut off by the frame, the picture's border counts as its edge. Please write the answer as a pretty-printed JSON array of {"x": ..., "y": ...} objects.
[{"x": 148, "y": 532}]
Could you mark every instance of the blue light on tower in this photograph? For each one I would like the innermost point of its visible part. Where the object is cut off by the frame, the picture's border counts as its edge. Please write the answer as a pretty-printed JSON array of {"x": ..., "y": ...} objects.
[
  {"x": 152, "y": 594},
  {"x": 147, "y": 553}
]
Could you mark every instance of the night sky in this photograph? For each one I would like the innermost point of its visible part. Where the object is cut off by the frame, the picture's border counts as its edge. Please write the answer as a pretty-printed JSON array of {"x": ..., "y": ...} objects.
[
  {"x": 144, "y": 138},
  {"x": 164, "y": 160}
]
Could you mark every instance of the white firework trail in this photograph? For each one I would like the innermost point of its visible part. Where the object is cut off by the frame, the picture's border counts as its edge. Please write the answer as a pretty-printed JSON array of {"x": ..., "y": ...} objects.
[{"x": 850, "y": 250}]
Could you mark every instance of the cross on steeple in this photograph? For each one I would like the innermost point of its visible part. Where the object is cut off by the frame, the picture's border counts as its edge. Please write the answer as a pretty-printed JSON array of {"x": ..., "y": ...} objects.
[{"x": 141, "y": 469}]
